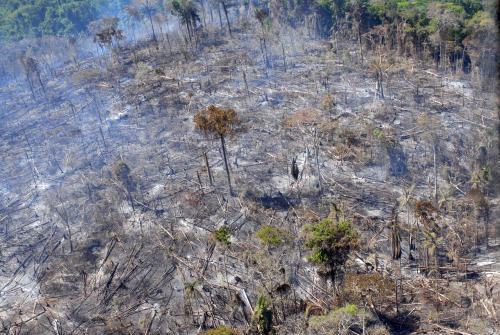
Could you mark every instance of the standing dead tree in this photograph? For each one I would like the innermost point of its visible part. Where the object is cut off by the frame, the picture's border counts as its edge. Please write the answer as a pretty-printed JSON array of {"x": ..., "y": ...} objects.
[
  {"x": 187, "y": 12},
  {"x": 307, "y": 122},
  {"x": 106, "y": 31},
  {"x": 225, "y": 6},
  {"x": 148, "y": 8},
  {"x": 219, "y": 121},
  {"x": 265, "y": 22},
  {"x": 31, "y": 69}
]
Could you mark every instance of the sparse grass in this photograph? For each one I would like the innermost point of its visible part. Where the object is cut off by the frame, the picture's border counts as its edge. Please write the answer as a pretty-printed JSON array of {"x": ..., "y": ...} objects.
[{"x": 221, "y": 330}]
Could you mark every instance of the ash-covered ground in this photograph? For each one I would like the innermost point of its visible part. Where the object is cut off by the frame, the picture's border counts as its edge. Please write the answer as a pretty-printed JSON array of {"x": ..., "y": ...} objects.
[{"x": 108, "y": 214}]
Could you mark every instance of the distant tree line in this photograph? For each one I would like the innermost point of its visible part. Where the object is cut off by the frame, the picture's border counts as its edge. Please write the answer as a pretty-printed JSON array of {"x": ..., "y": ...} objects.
[
  {"x": 29, "y": 18},
  {"x": 453, "y": 32}
]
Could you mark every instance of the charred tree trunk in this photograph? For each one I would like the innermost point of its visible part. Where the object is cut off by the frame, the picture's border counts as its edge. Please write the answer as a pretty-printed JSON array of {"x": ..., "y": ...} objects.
[
  {"x": 152, "y": 27},
  {"x": 223, "y": 144},
  {"x": 435, "y": 173},
  {"x": 224, "y": 7},
  {"x": 208, "y": 169},
  {"x": 220, "y": 17}
]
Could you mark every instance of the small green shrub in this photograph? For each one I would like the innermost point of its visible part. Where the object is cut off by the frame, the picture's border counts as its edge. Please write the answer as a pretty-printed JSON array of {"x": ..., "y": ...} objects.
[
  {"x": 271, "y": 236},
  {"x": 378, "y": 133},
  {"x": 223, "y": 235},
  {"x": 349, "y": 309},
  {"x": 263, "y": 316}
]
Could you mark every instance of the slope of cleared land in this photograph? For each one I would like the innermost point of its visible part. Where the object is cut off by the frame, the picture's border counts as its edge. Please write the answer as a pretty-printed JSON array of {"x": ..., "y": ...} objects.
[{"x": 108, "y": 213}]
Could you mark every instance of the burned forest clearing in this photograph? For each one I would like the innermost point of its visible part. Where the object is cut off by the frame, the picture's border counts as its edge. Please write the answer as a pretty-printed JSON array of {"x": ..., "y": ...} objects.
[{"x": 266, "y": 181}]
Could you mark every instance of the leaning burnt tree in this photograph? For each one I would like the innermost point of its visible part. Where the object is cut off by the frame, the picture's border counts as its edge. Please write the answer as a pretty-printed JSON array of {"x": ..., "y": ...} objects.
[{"x": 221, "y": 122}]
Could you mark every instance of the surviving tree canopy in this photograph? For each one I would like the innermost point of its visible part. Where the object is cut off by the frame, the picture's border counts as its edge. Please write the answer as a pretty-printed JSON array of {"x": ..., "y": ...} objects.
[{"x": 34, "y": 18}]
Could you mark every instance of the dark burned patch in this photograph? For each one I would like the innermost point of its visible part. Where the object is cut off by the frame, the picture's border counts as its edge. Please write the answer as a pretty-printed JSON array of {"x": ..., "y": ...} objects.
[
  {"x": 91, "y": 250},
  {"x": 278, "y": 201},
  {"x": 283, "y": 288},
  {"x": 370, "y": 198},
  {"x": 397, "y": 160},
  {"x": 401, "y": 325}
]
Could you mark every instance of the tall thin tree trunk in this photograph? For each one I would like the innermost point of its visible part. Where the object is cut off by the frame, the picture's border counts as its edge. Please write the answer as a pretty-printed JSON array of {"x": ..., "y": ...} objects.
[
  {"x": 152, "y": 27},
  {"x": 203, "y": 13},
  {"x": 316, "y": 149},
  {"x": 360, "y": 45},
  {"x": 227, "y": 18},
  {"x": 130, "y": 199},
  {"x": 435, "y": 174},
  {"x": 223, "y": 144},
  {"x": 220, "y": 17},
  {"x": 284, "y": 56},
  {"x": 30, "y": 83},
  {"x": 40, "y": 81},
  {"x": 208, "y": 169},
  {"x": 246, "y": 83}
]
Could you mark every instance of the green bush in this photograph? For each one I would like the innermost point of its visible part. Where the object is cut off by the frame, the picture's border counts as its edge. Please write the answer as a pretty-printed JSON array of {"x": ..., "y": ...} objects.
[
  {"x": 263, "y": 316},
  {"x": 271, "y": 236},
  {"x": 223, "y": 235},
  {"x": 330, "y": 243}
]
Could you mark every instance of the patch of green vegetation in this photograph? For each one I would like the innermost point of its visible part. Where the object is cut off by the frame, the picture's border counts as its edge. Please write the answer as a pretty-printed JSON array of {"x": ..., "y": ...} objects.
[
  {"x": 349, "y": 309},
  {"x": 271, "y": 236},
  {"x": 223, "y": 235},
  {"x": 263, "y": 316},
  {"x": 22, "y": 18},
  {"x": 222, "y": 330},
  {"x": 378, "y": 133},
  {"x": 330, "y": 243}
]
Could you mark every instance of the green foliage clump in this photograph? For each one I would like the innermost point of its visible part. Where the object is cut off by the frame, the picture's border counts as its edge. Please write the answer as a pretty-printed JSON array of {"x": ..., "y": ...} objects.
[
  {"x": 263, "y": 316},
  {"x": 378, "y": 133},
  {"x": 271, "y": 236},
  {"x": 20, "y": 18},
  {"x": 223, "y": 235},
  {"x": 349, "y": 309},
  {"x": 222, "y": 330},
  {"x": 330, "y": 243}
]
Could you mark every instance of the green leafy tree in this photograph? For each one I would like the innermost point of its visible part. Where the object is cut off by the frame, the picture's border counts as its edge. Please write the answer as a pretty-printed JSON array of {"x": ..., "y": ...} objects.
[
  {"x": 20, "y": 19},
  {"x": 446, "y": 25},
  {"x": 330, "y": 243}
]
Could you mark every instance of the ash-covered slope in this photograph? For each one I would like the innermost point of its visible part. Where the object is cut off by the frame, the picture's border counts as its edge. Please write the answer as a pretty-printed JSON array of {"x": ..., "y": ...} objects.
[{"x": 110, "y": 222}]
